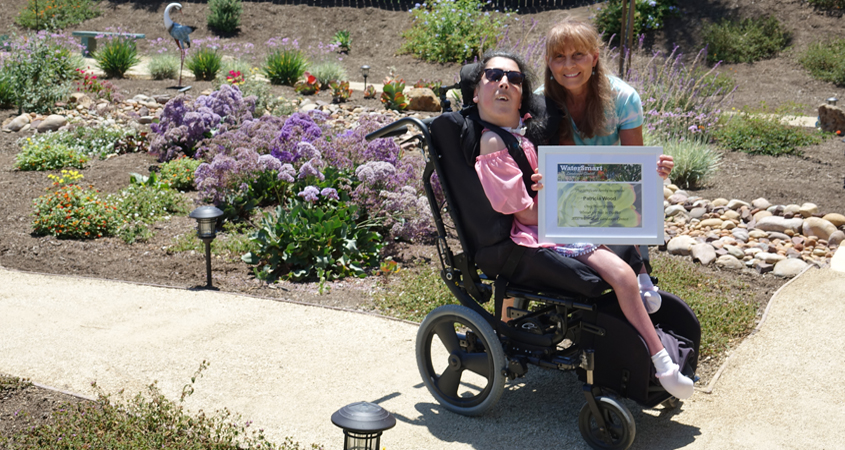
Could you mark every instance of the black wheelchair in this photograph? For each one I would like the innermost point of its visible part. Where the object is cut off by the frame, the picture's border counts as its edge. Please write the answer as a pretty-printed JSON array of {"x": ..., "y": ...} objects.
[{"x": 565, "y": 317}]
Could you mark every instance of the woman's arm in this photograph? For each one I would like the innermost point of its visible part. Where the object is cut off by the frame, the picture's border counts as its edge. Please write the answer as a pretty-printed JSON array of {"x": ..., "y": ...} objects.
[
  {"x": 529, "y": 216},
  {"x": 634, "y": 136}
]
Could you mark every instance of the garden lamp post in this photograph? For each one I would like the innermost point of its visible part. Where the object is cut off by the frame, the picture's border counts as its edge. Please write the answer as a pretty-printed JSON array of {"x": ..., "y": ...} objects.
[
  {"x": 832, "y": 101},
  {"x": 206, "y": 217},
  {"x": 362, "y": 425},
  {"x": 365, "y": 71}
]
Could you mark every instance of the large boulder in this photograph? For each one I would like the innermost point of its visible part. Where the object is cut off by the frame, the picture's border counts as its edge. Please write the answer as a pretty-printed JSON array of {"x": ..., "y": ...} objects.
[
  {"x": 422, "y": 99},
  {"x": 18, "y": 123},
  {"x": 780, "y": 224},
  {"x": 52, "y": 123},
  {"x": 816, "y": 226},
  {"x": 831, "y": 118}
]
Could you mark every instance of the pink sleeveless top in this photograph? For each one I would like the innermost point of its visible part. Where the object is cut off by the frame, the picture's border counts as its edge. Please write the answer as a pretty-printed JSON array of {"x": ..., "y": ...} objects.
[{"x": 501, "y": 179}]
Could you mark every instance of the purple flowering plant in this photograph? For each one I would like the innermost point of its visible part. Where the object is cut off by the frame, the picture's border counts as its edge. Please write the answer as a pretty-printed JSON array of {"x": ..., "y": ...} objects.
[{"x": 184, "y": 123}]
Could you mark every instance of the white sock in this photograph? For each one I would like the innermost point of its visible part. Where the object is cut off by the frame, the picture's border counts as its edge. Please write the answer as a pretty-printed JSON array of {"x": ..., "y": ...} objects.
[
  {"x": 670, "y": 377},
  {"x": 648, "y": 293}
]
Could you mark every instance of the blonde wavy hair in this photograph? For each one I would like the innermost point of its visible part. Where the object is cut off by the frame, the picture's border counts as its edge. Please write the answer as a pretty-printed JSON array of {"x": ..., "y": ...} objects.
[{"x": 581, "y": 36}]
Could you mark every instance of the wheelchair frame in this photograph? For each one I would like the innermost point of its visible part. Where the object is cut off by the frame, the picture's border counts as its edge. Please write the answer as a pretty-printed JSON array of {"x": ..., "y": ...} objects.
[{"x": 478, "y": 341}]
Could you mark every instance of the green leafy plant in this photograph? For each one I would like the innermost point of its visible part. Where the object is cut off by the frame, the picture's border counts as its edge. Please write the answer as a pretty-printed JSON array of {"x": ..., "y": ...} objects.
[
  {"x": 757, "y": 131},
  {"x": 117, "y": 55},
  {"x": 828, "y": 4},
  {"x": 370, "y": 92},
  {"x": 164, "y": 66},
  {"x": 224, "y": 16},
  {"x": 746, "y": 40},
  {"x": 7, "y": 95},
  {"x": 73, "y": 212},
  {"x": 452, "y": 31},
  {"x": 205, "y": 63},
  {"x": 343, "y": 40},
  {"x": 327, "y": 71},
  {"x": 90, "y": 142},
  {"x": 56, "y": 14},
  {"x": 649, "y": 15},
  {"x": 40, "y": 69},
  {"x": 285, "y": 66},
  {"x": 42, "y": 154},
  {"x": 307, "y": 86},
  {"x": 695, "y": 161},
  {"x": 340, "y": 91},
  {"x": 179, "y": 173},
  {"x": 826, "y": 61},
  {"x": 310, "y": 240},
  {"x": 393, "y": 96}
]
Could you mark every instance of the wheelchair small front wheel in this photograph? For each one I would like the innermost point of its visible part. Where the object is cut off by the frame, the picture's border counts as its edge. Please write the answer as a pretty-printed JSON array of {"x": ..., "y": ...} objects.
[
  {"x": 461, "y": 360},
  {"x": 620, "y": 427}
]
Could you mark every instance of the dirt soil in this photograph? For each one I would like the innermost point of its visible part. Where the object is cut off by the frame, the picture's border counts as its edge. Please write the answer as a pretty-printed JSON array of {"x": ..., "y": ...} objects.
[{"x": 815, "y": 177}]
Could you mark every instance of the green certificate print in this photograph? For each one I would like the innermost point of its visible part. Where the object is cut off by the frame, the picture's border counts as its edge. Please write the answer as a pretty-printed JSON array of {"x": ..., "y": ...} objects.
[{"x": 599, "y": 205}]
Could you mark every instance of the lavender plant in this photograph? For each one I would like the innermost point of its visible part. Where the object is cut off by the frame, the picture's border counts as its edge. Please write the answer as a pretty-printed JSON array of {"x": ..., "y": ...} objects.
[{"x": 679, "y": 100}]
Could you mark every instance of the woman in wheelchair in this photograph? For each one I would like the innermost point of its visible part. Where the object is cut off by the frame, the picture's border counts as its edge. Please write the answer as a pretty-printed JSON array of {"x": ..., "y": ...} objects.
[{"x": 499, "y": 83}]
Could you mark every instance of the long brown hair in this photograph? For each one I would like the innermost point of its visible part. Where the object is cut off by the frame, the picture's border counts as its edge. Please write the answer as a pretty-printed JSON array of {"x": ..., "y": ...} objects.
[{"x": 583, "y": 37}]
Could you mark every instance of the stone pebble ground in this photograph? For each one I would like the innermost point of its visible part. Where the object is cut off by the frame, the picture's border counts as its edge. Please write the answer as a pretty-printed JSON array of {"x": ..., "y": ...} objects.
[{"x": 730, "y": 234}]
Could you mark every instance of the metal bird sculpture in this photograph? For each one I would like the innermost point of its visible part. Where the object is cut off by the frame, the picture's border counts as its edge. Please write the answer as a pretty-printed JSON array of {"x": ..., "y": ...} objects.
[{"x": 180, "y": 33}]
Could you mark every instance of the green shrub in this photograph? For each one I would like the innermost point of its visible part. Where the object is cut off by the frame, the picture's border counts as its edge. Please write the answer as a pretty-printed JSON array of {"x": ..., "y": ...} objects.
[
  {"x": 205, "y": 63},
  {"x": 756, "y": 132},
  {"x": 179, "y": 173},
  {"x": 147, "y": 420},
  {"x": 311, "y": 240},
  {"x": 285, "y": 66},
  {"x": 224, "y": 16},
  {"x": 747, "y": 40},
  {"x": 444, "y": 31},
  {"x": 826, "y": 61},
  {"x": 724, "y": 318},
  {"x": 56, "y": 14},
  {"x": 695, "y": 160},
  {"x": 44, "y": 154},
  {"x": 74, "y": 212},
  {"x": 148, "y": 203},
  {"x": 41, "y": 69},
  {"x": 326, "y": 71},
  {"x": 91, "y": 142},
  {"x": 7, "y": 95},
  {"x": 649, "y": 15},
  {"x": 164, "y": 66},
  {"x": 117, "y": 55},
  {"x": 828, "y": 4},
  {"x": 342, "y": 40}
]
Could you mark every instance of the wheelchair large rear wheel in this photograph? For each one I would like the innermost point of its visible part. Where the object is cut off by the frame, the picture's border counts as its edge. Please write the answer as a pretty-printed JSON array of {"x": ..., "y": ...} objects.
[
  {"x": 620, "y": 430},
  {"x": 461, "y": 360}
]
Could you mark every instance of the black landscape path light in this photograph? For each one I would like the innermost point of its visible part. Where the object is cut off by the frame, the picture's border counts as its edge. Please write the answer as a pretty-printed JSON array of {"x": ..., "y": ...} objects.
[
  {"x": 362, "y": 424},
  {"x": 206, "y": 217},
  {"x": 365, "y": 71},
  {"x": 832, "y": 101}
]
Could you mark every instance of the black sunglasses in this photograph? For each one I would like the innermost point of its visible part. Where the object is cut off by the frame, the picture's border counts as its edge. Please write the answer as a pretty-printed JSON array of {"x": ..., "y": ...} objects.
[{"x": 514, "y": 77}]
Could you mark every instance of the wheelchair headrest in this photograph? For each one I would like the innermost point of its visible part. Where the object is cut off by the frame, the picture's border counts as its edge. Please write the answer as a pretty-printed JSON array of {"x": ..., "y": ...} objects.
[{"x": 467, "y": 90}]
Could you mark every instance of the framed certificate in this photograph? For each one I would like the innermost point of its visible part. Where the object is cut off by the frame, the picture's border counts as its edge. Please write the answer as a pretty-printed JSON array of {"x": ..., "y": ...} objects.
[{"x": 600, "y": 194}]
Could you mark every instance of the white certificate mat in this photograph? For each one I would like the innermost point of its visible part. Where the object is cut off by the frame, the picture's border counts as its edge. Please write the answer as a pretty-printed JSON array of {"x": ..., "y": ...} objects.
[{"x": 601, "y": 195}]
